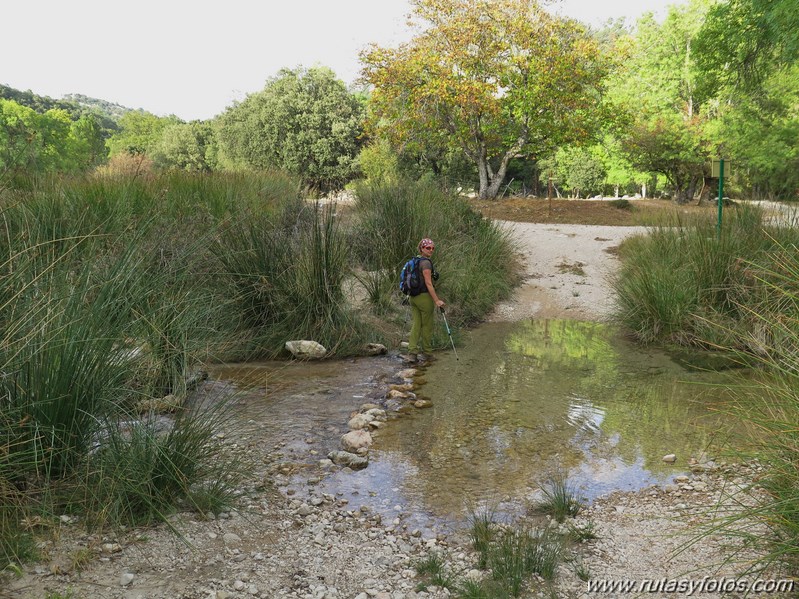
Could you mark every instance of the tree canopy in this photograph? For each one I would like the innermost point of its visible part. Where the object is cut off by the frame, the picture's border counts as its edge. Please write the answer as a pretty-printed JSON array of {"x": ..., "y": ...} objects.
[
  {"x": 139, "y": 132},
  {"x": 743, "y": 41},
  {"x": 492, "y": 78},
  {"x": 32, "y": 143},
  {"x": 303, "y": 121}
]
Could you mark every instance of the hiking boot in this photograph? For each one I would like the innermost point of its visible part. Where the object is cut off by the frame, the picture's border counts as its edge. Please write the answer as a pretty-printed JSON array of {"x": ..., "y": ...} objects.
[{"x": 427, "y": 358}]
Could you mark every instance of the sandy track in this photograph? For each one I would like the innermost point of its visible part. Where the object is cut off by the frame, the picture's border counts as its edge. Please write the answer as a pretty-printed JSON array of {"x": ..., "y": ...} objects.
[{"x": 567, "y": 270}]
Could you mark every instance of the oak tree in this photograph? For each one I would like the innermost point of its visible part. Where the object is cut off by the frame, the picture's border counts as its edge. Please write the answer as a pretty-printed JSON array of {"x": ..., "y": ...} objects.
[
  {"x": 304, "y": 121},
  {"x": 493, "y": 78}
]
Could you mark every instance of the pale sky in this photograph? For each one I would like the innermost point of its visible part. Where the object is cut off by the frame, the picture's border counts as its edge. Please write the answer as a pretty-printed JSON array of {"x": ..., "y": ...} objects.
[{"x": 193, "y": 58}]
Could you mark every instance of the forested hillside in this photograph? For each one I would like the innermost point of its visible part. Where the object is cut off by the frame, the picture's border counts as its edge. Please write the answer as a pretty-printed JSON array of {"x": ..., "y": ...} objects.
[{"x": 76, "y": 105}]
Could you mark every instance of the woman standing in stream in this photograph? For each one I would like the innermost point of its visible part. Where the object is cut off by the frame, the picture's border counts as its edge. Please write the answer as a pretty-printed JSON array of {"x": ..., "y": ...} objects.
[{"x": 423, "y": 306}]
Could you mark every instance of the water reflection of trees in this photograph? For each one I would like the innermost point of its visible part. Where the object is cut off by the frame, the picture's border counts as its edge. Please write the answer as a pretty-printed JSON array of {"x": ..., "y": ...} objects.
[{"x": 527, "y": 398}]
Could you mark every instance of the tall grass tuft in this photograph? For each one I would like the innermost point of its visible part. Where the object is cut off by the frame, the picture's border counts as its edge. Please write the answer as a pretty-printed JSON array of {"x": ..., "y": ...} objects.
[
  {"x": 560, "y": 499},
  {"x": 484, "y": 589},
  {"x": 435, "y": 571},
  {"x": 768, "y": 514},
  {"x": 482, "y": 532},
  {"x": 519, "y": 553},
  {"x": 473, "y": 255},
  {"x": 63, "y": 370},
  {"x": 108, "y": 300},
  {"x": 286, "y": 279},
  {"x": 512, "y": 554},
  {"x": 736, "y": 292},
  {"x": 144, "y": 469},
  {"x": 682, "y": 279},
  {"x": 16, "y": 544}
]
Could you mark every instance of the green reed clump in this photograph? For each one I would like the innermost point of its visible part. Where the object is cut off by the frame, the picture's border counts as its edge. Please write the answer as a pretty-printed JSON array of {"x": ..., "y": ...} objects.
[
  {"x": 83, "y": 343},
  {"x": 559, "y": 499},
  {"x": 681, "y": 278},
  {"x": 285, "y": 276},
  {"x": 482, "y": 532},
  {"x": 767, "y": 513},
  {"x": 512, "y": 554},
  {"x": 17, "y": 545},
  {"x": 117, "y": 201},
  {"x": 483, "y": 589},
  {"x": 518, "y": 553},
  {"x": 142, "y": 469},
  {"x": 473, "y": 254},
  {"x": 435, "y": 572},
  {"x": 63, "y": 370},
  {"x": 111, "y": 299}
]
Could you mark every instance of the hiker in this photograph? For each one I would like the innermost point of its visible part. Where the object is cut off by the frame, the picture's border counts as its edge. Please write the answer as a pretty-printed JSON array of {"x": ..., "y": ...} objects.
[{"x": 423, "y": 306}]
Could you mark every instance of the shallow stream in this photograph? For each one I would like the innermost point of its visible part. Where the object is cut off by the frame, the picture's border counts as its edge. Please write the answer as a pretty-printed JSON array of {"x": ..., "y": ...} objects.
[{"x": 523, "y": 402}]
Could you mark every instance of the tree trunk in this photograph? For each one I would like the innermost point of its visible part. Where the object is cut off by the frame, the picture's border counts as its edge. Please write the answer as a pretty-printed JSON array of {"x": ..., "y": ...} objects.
[
  {"x": 483, "y": 172},
  {"x": 490, "y": 182}
]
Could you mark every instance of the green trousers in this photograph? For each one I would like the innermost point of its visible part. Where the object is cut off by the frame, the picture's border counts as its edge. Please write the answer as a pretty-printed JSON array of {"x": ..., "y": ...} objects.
[{"x": 422, "y": 309}]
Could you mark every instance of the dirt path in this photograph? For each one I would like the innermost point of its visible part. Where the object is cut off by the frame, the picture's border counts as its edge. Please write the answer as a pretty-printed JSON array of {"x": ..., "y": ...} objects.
[{"x": 567, "y": 270}]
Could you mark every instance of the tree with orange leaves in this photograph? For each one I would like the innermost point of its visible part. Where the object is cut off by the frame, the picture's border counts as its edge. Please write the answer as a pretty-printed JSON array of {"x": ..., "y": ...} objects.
[{"x": 493, "y": 78}]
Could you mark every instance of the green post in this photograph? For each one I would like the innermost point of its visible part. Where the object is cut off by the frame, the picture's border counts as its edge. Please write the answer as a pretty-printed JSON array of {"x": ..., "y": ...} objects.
[{"x": 721, "y": 195}]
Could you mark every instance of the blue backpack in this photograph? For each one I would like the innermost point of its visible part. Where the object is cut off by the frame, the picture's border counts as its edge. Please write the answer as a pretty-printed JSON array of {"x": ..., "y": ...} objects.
[{"x": 410, "y": 278}]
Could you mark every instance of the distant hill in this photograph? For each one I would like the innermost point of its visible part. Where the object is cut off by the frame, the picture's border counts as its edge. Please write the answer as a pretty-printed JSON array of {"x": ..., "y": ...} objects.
[
  {"x": 75, "y": 104},
  {"x": 112, "y": 109}
]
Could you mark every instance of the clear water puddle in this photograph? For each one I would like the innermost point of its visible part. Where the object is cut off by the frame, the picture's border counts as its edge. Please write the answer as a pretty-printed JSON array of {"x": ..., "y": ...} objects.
[{"x": 524, "y": 401}]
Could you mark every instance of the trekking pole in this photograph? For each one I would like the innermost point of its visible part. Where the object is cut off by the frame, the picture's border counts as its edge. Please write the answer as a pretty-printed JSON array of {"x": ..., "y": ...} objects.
[{"x": 446, "y": 324}]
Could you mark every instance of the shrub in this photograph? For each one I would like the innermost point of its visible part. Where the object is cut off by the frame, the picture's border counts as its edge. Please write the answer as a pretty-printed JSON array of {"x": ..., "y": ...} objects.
[{"x": 474, "y": 255}]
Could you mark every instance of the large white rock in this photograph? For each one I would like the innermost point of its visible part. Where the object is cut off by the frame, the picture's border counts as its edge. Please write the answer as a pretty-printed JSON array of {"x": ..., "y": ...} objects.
[
  {"x": 375, "y": 349},
  {"x": 360, "y": 421},
  {"x": 306, "y": 349},
  {"x": 355, "y": 440}
]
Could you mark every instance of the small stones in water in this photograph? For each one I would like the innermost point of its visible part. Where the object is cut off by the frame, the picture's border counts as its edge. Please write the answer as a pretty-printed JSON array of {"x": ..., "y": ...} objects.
[
  {"x": 403, "y": 387},
  {"x": 407, "y": 373},
  {"x": 350, "y": 460}
]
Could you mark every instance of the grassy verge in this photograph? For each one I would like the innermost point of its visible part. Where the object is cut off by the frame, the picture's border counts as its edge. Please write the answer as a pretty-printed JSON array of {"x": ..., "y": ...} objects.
[
  {"x": 112, "y": 300},
  {"x": 684, "y": 283},
  {"x": 768, "y": 514}
]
